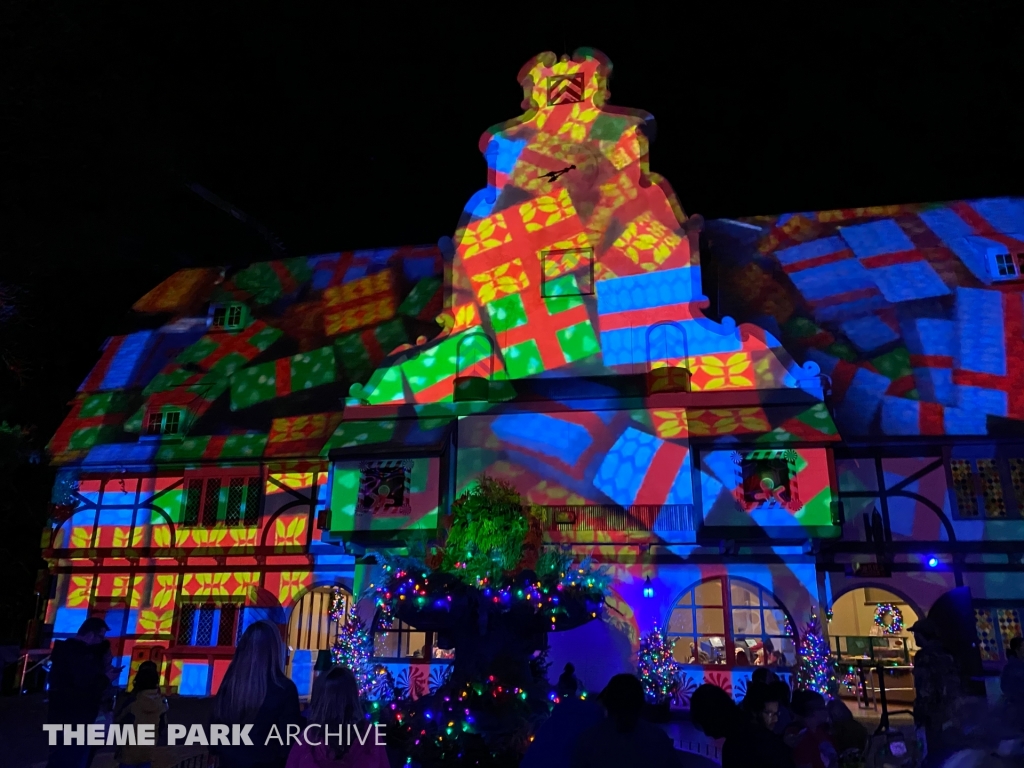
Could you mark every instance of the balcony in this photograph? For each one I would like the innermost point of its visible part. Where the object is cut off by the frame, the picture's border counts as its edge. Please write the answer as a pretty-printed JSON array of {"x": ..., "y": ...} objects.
[{"x": 568, "y": 522}]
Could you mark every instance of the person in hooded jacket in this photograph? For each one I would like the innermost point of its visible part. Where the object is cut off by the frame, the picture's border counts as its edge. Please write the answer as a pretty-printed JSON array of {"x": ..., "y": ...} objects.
[
  {"x": 79, "y": 678},
  {"x": 143, "y": 706}
]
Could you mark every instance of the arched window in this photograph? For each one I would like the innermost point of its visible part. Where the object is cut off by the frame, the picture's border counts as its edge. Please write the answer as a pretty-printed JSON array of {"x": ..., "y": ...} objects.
[{"x": 731, "y": 622}]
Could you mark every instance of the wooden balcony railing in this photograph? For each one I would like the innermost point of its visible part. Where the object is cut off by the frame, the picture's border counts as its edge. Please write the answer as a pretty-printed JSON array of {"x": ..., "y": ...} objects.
[{"x": 634, "y": 518}]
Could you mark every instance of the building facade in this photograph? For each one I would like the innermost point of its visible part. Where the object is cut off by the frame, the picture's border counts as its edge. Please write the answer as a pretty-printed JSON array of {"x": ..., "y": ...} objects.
[{"x": 853, "y": 440}]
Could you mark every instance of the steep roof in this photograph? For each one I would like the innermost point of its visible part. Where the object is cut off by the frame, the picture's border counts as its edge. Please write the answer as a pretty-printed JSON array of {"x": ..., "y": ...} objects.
[
  {"x": 574, "y": 261},
  {"x": 902, "y": 306}
]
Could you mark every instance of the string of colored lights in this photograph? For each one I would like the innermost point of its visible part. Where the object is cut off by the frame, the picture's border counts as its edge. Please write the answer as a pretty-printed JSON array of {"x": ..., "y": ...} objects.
[{"x": 657, "y": 667}]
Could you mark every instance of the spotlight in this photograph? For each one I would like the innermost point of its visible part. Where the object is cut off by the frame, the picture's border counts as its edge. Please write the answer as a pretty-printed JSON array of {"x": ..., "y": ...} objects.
[
  {"x": 933, "y": 562},
  {"x": 648, "y": 588}
]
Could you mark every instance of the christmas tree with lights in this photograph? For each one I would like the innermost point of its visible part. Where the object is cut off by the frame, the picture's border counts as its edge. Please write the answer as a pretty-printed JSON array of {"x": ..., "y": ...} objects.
[
  {"x": 815, "y": 670},
  {"x": 657, "y": 667},
  {"x": 353, "y": 648}
]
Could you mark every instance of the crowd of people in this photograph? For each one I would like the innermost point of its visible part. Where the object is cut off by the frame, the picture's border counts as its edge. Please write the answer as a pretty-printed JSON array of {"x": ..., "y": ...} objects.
[
  {"x": 771, "y": 728},
  {"x": 254, "y": 690}
]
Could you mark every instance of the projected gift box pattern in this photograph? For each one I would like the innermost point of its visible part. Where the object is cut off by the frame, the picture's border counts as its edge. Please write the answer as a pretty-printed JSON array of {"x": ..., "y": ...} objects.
[{"x": 915, "y": 312}]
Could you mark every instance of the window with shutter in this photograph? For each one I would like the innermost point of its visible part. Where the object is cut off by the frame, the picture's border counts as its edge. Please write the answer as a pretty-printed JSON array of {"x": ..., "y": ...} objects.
[
  {"x": 186, "y": 624},
  {"x": 211, "y": 501},
  {"x": 236, "y": 494},
  {"x": 232, "y": 500},
  {"x": 204, "y": 625},
  {"x": 226, "y": 631},
  {"x": 192, "y": 502},
  {"x": 989, "y": 488},
  {"x": 253, "y": 500}
]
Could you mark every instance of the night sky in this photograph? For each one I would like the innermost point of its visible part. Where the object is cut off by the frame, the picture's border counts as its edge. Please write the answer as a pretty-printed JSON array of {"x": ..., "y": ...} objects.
[{"x": 339, "y": 129}]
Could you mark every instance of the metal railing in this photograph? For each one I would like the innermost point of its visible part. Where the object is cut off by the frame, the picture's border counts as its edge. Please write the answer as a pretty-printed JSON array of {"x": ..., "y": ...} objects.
[
  {"x": 603, "y": 517},
  {"x": 841, "y": 650}
]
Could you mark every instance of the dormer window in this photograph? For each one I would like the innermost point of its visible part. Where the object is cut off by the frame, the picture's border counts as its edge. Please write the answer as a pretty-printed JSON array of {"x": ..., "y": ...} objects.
[
  {"x": 1005, "y": 266},
  {"x": 227, "y": 317},
  {"x": 165, "y": 422}
]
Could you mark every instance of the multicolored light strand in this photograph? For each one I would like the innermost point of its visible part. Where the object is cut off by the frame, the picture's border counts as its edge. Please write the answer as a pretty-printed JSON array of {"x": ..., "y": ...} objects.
[
  {"x": 815, "y": 668},
  {"x": 895, "y": 624},
  {"x": 657, "y": 667}
]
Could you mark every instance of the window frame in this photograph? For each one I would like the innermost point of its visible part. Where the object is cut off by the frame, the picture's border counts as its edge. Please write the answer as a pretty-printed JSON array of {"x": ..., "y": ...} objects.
[
  {"x": 747, "y": 459},
  {"x": 729, "y": 636},
  {"x": 165, "y": 415},
  {"x": 217, "y": 631},
  {"x": 993, "y": 605},
  {"x": 227, "y": 482},
  {"x": 584, "y": 270},
  {"x": 1012, "y": 260},
  {"x": 1013, "y": 499},
  {"x": 233, "y": 316},
  {"x": 401, "y": 629}
]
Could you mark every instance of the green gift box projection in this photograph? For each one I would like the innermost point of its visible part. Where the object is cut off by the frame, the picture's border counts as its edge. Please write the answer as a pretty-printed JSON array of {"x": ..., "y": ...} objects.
[
  {"x": 359, "y": 353},
  {"x": 282, "y": 377},
  {"x": 535, "y": 341}
]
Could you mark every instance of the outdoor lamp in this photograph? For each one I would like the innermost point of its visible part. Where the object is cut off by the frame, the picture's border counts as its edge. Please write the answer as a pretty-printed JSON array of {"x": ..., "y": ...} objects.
[{"x": 648, "y": 588}]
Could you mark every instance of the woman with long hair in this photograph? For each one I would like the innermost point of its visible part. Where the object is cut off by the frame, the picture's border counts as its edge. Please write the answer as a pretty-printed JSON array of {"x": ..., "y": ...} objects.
[
  {"x": 346, "y": 738},
  {"x": 255, "y": 690}
]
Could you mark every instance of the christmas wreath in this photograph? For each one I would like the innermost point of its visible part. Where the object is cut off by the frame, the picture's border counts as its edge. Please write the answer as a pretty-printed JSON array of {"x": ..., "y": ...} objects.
[{"x": 894, "y": 625}]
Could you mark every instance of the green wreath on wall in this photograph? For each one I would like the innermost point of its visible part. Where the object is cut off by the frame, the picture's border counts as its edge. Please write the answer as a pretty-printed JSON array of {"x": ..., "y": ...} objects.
[{"x": 889, "y": 618}]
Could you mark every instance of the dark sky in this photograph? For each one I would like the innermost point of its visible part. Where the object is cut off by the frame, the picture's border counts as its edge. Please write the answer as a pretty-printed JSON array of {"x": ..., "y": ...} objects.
[{"x": 346, "y": 125}]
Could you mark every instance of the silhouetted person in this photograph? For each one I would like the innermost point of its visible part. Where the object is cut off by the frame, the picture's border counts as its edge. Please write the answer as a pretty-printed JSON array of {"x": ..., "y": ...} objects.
[
  {"x": 779, "y": 691},
  {"x": 334, "y": 706},
  {"x": 764, "y": 675},
  {"x": 741, "y": 659},
  {"x": 555, "y": 740},
  {"x": 759, "y": 705},
  {"x": 143, "y": 706},
  {"x": 78, "y": 680},
  {"x": 255, "y": 690},
  {"x": 568, "y": 685},
  {"x": 747, "y": 744},
  {"x": 813, "y": 747},
  {"x": 1011, "y": 681},
  {"x": 937, "y": 689},
  {"x": 625, "y": 739},
  {"x": 849, "y": 737}
]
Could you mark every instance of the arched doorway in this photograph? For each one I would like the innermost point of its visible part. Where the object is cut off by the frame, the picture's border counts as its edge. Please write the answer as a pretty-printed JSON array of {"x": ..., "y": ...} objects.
[
  {"x": 310, "y": 631},
  {"x": 859, "y": 640}
]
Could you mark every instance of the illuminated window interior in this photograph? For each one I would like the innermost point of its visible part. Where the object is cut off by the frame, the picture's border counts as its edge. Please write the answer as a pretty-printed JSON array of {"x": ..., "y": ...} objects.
[
  {"x": 731, "y": 622},
  {"x": 406, "y": 643}
]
